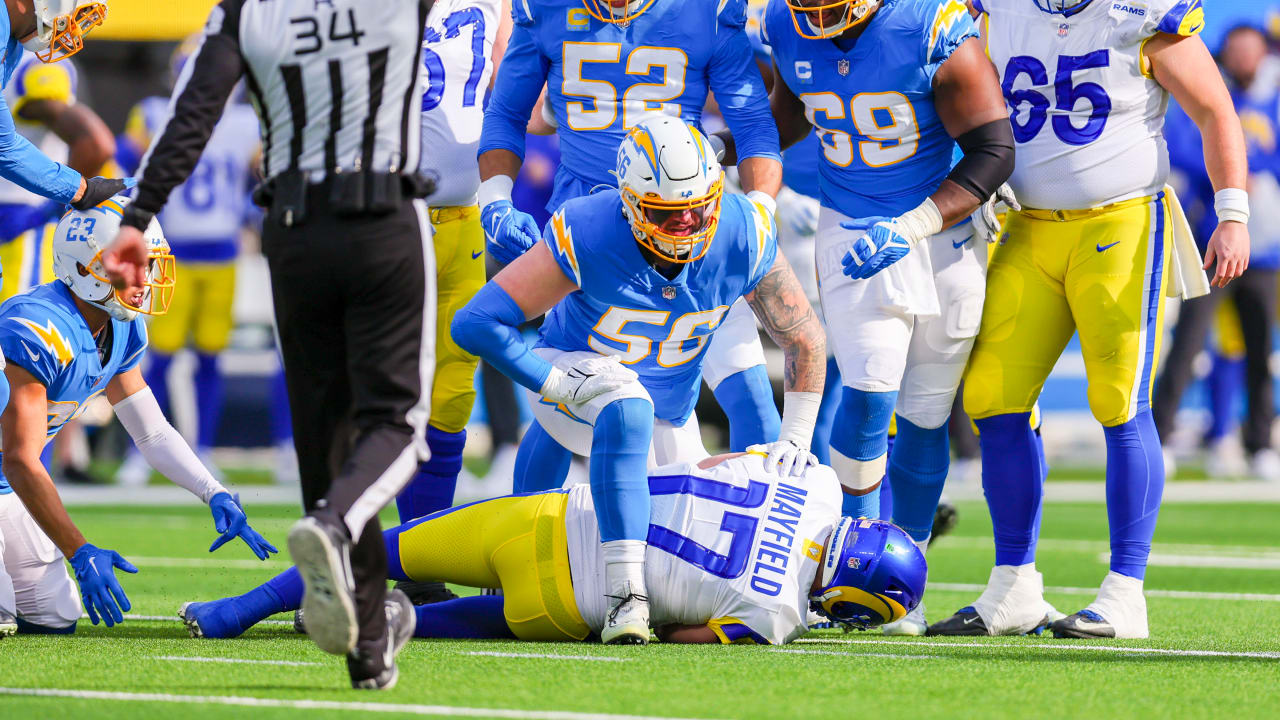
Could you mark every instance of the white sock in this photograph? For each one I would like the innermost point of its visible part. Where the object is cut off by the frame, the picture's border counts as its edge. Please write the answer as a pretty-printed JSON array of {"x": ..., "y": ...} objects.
[
  {"x": 923, "y": 545},
  {"x": 624, "y": 567}
]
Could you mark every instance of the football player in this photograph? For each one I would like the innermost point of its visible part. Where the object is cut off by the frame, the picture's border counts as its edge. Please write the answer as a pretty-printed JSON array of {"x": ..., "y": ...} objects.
[
  {"x": 635, "y": 282},
  {"x": 463, "y": 43},
  {"x": 65, "y": 343},
  {"x": 52, "y": 30},
  {"x": 606, "y": 64},
  {"x": 42, "y": 97},
  {"x": 736, "y": 555},
  {"x": 1094, "y": 251},
  {"x": 202, "y": 224},
  {"x": 892, "y": 88}
]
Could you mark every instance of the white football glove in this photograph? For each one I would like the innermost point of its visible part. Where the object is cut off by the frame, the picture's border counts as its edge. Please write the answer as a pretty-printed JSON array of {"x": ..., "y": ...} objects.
[
  {"x": 587, "y": 378},
  {"x": 986, "y": 219},
  {"x": 785, "y": 457}
]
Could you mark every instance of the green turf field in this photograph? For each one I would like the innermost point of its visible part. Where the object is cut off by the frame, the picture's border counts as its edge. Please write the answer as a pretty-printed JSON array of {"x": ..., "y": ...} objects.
[{"x": 1215, "y": 650}]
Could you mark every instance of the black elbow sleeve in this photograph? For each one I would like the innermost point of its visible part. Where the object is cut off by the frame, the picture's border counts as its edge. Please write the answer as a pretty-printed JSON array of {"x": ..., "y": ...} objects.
[{"x": 988, "y": 159}]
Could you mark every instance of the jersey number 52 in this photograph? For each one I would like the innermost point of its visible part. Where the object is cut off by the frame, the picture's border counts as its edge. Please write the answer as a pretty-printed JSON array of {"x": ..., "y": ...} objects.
[{"x": 600, "y": 110}]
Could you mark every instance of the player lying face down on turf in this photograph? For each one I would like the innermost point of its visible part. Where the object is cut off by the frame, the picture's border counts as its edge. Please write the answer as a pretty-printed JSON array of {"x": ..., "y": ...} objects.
[
  {"x": 736, "y": 553},
  {"x": 633, "y": 284},
  {"x": 65, "y": 343}
]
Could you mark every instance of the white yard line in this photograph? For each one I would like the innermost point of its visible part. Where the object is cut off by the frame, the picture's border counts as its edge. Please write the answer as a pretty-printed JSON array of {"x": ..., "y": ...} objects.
[
  {"x": 232, "y": 661},
  {"x": 209, "y": 562},
  {"x": 1168, "y": 594},
  {"x": 175, "y": 618},
  {"x": 896, "y": 656},
  {"x": 406, "y": 709},
  {"x": 547, "y": 656},
  {"x": 985, "y": 542},
  {"x": 1224, "y": 562},
  {"x": 1048, "y": 646}
]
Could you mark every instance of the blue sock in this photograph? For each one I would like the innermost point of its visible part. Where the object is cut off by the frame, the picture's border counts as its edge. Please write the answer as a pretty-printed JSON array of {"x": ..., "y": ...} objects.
[
  {"x": 284, "y": 590},
  {"x": 432, "y": 486},
  {"x": 281, "y": 424},
  {"x": 917, "y": 471},
  {"x": 478, "y": 617},
  {"x": 1135, "y": 482},
  {"x": 541, "y": 462},
  {"x": 1224, "y": 385},
  {"x": 619, "y": 474},
  {"x": 30, "y": 628},
  {"x": 157, "y": 377},
  {"x": 886, "y": 486},
  {"x": 747, "y": 399},
  {"x": 821, "y": 445},
  {"x": 1013, "y": 482},
  {"x": 862, "y": 433},
  {"x": 209, "y": 392}
]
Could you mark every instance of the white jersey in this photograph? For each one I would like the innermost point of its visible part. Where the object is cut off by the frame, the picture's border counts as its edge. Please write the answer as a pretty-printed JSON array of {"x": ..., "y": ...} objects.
[
  {"x": 35, "y": 80},
  {"x": 1087, "y": 115},
  {"x": 731, "y": 546},
  {"x": 457, "y": 52}
]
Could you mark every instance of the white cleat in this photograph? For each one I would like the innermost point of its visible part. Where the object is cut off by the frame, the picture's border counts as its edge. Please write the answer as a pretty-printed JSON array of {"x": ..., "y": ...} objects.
[
  {"x": 628, "y": 620},
  {"x": 8, "y": 629},
  {"x": 913, "y": 624},
  {"x": 1119, "y": 611},
  {"x": 134, "y": 471},
  {"x": 1265, "y": 465},
  {"x": 1012, "y": 604},
  {"x": 323, "y": 557}
]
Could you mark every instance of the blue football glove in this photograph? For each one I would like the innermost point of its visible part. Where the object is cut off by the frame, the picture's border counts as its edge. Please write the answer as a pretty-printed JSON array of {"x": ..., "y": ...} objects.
[
  {"x": 229, "y": 520},
  {"x": 881, "y": 246},
  {"x": 99, "y": 588},
  {"x": 509, "y": 233}
]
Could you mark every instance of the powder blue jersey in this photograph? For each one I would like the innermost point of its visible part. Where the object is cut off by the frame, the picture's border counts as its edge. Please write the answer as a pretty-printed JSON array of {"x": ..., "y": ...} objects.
[
  {"x": 800, "y": 162},
  {"x": 884, "y": 147},
  {"x": 659, "y": 327},
  {"x": 43, "y": 332},
  {"x": 602, "y": 79}
]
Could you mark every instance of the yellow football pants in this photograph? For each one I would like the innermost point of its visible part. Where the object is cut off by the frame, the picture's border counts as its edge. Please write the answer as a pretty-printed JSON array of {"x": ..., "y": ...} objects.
[
  {"x": 1097, "y": 272},
  {"x": 27, "y": 261},
  {"x": 200, "y": 312},
  {"x": 517, "y": 543},
  {"x": 459, "y": 244}
]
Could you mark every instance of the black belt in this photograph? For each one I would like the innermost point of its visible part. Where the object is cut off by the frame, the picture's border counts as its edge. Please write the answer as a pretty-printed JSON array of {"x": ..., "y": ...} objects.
[{"x": 286, "y": 195}]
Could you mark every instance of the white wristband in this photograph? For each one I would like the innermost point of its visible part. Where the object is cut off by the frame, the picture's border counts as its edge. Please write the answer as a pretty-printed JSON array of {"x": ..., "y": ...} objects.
[
  {"x": 799, "y": 415},
  {"x": 1231, "y": 205},
  {"x": 494, "y": 189},
  {"x": 922, "y": 222},
  {"x": 761, "y": 197}
]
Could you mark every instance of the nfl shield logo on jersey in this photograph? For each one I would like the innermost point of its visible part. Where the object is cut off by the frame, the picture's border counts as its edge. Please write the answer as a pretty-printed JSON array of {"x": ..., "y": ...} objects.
[
  {"x": 1064, "y": 30},
  {"x": 669, "y": 293},
  {"x": 842, "y": 67}
]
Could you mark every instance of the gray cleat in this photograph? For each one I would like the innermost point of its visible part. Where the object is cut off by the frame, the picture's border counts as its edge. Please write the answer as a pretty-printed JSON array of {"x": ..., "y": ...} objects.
[
  {"x": 322, "y": 553},
  {"x": 1084, "y": 624},
  {"x": 375, "y": 668},
  {"x": 966, "y": 621}
]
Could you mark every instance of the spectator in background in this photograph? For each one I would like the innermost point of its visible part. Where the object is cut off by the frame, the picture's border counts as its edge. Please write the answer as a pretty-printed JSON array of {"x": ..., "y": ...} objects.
[
  {"x": 202, "y": 221},
  {"x": 1246, "y": 64}
]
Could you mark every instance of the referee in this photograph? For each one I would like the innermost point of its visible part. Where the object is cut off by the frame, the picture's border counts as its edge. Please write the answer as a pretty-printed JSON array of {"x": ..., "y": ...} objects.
[{"x": 337, "y": 89}]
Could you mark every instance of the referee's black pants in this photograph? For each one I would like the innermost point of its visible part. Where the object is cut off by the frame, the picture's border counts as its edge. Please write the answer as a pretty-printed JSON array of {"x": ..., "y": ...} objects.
[
  {"x": 1254, "y": 294},
  {"x": 355, "y": 310}
]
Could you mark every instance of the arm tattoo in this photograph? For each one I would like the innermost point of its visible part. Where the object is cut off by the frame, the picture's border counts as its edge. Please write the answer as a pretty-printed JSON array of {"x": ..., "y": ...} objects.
[{"x": 780, "y": 304}]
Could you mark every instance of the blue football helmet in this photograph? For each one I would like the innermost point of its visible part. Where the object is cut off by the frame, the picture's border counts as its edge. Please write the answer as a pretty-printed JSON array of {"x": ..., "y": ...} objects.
[
  {"x": 1060, "y": 7},
  {"x": 873, "y": 574}
]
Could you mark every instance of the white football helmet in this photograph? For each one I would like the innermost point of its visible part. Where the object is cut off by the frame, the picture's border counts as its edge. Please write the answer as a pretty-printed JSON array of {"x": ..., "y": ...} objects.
[
  {"x": 1058, "y": 7},
  {"x": 671, "y": 186},
  {"x": 818, "y": 19},
  {"x": 61, "y": 26},
  {"x": 77, "y": 261}
]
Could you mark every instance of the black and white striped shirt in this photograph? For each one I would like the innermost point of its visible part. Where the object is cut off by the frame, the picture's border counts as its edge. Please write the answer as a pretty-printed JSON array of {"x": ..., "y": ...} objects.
[{"x": 336, "y": 84}]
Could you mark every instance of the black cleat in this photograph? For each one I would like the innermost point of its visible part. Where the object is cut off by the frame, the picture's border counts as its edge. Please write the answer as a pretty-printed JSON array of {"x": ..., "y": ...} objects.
[
  {"x": 299, "y": 626},
  {"x": 375, "y": 668},
  {"x": 1084, "y": 624},
  {"x": 425, "y": 593},
  {"x": 966, "y": 621},
  {"x": 945, "y": 519}
]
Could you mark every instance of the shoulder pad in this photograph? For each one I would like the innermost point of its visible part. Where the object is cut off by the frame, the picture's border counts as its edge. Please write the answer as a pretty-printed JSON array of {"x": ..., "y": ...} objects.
[{"x": 1174, "y": 17}]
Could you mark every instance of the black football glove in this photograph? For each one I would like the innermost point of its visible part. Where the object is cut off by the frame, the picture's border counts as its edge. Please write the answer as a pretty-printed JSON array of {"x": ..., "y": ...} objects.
[{"x": 98, "y": 189}]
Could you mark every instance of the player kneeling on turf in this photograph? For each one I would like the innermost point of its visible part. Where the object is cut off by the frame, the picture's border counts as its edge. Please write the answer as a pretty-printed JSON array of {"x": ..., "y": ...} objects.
[
  {"x": 65, "y": 343},
  {"x": 736, "y": 553}
]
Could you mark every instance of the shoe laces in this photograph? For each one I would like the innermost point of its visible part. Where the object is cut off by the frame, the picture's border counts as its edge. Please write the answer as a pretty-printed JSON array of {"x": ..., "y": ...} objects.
[{"x": 622, "y": 602}]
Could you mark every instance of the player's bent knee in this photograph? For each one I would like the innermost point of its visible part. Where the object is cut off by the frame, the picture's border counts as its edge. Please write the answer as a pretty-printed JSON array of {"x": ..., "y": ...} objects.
[
  {"x": 1109, "y": 404},
  {"x": 624, "y": 423}
]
